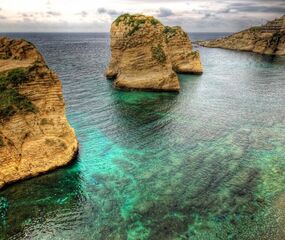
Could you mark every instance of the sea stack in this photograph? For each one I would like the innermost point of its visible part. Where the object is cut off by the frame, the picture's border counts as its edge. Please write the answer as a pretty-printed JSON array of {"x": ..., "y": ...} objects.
[
  {"x": 147, "y": 55},
  {"x": 268, "y": 39},
  {"x": 35, "y": 136}
]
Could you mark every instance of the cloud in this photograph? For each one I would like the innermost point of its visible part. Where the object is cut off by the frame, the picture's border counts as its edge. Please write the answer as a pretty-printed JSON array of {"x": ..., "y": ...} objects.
[
  {"x": 256, "y": 8},
  {"x": 165, "y": 12},
  {"x": 53, "y": 13},
  {"x": 83, "y": 14},
  {"x": 25, "y": 15},
  {"x": 209, "y": 15},
  {"x": 192, "y": 15},
  {"x": 110, "y": 12},
  {"x": 228, "y": 10}
]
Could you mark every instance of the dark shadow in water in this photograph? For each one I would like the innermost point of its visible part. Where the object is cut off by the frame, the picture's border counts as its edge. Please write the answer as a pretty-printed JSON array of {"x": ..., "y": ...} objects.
[
  {"x": 138, "y": 114},
  {"x": 149, "y": 117},
  {"x": 276, "y": 60},
  {"x": 143, "y": 109},
  {"x": 29, "y": 204}
]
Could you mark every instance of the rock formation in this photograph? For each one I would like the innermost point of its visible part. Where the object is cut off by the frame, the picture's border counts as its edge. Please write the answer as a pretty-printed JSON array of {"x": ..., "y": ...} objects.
[
  {"x": 268, "y": 39},
  {"x": 146, "y": 54},
  {"x": 35, "y": 136}
]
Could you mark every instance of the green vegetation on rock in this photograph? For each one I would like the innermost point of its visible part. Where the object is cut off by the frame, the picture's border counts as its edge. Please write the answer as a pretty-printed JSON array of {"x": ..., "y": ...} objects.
[
  {"x": 256, "y": 28},
  {"x": 17, "y": 76},
  {"x": 158, "y": 53},
  {"x": 169, "y": 32},
  {"x": 134, "y": 22},
  {"x": 11, "y": 101},
  {"x": 130, "y": 20},
  {"x": 122, "y": 18},
  {"x": 14, "y": 77},
  {"x": 154, "y": 21},
  {"x": 133, "y": 30}
]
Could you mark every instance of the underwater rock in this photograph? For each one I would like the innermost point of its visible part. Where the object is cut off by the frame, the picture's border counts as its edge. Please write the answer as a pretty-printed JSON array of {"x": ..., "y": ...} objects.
[
  {"x": 146, "y": 54},
  {"x": 268, "y": 39},
  {"x": 35, "y": 136}
]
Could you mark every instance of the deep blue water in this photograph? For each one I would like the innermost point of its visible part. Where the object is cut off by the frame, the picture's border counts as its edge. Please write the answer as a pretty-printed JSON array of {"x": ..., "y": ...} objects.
[{"x": 207, "y": 163}]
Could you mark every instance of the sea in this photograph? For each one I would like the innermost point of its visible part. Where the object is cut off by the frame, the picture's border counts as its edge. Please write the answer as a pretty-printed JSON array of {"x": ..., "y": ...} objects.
[{"x": 204, "y": 164}]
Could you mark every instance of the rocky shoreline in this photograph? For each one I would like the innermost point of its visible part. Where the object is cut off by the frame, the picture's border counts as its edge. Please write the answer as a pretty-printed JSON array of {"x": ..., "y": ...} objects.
[{"x": 268, "y": 39}]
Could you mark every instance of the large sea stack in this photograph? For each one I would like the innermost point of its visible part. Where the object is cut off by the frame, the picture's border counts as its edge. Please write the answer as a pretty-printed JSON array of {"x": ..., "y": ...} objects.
[
  {"x": 35, "y": 136},
  {"x": 268, "y": 39},
  {"x": 147, "y": 55}
]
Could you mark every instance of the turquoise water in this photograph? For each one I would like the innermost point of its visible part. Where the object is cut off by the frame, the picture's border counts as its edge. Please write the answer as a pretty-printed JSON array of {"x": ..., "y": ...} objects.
[{"x": 207, "y": 163}]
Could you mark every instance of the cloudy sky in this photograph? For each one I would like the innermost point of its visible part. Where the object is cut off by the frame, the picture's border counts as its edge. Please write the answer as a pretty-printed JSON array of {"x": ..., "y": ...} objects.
[{"x": 97, "y": 15}]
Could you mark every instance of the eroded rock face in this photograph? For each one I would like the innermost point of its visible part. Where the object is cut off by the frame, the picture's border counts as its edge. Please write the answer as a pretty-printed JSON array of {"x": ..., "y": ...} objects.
[
  {"x": 35, "y": 136},
  {"x": 268, "y": 39},
  {"x": 146, "y": 54}
]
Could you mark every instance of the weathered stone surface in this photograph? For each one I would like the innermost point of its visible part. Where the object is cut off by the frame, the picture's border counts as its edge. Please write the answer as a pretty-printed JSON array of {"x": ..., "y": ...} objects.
[
  {"x": 268, "y": 39},
  {"x": 146, "y": 54},
  {"x": 35, "y": 136}
]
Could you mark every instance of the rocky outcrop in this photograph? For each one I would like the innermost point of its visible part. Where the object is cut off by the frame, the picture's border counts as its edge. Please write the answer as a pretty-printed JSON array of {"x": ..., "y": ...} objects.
[
  {"x": 268, "y": 39},
  {"x": 35, "y": 136},
  {"x": 146, "y": 54}
]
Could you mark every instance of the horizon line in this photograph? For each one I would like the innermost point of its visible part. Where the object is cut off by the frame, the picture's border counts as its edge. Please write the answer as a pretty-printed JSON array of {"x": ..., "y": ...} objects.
[{"x": 102, "y": 32}]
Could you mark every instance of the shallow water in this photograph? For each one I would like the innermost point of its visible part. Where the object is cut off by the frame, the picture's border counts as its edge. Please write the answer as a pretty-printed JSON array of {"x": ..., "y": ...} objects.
[{"x": 207, "y": 163}]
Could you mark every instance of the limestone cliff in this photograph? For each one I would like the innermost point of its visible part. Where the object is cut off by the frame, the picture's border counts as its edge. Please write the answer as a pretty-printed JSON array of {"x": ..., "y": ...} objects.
[
  {"x": 146, "y": 54},
  {"x": 35, "y": 136},
  {"x": 268, "y": 39}
]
